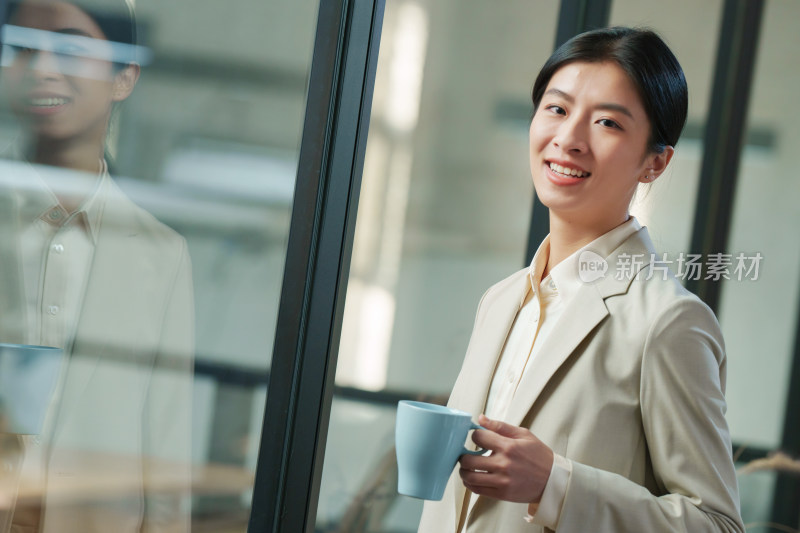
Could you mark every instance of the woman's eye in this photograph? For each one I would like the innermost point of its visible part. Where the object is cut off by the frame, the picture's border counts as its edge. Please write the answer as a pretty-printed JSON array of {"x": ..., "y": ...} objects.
[
  {"x": 556, "y": 109},
  {"x": 607, "y": 122},
  {"x": 19, "y": 49},
  {"x": 69, "y": 50}
]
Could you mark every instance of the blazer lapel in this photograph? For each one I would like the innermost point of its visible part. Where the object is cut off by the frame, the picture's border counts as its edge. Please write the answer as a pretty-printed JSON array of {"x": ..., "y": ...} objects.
[
  {"x": 12, "y": 300},
  {"x": 581, "y": 315},
  {"x": 107, "y": 296},
  {"x": 494, "y": 323},
  {"x": 16, "y": 178}
]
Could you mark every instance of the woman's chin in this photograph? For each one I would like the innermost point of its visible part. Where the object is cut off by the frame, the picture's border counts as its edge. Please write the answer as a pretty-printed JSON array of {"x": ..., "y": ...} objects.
[
  {"x": 557, "y": 198},
  {"x": 50, "y": 133}
]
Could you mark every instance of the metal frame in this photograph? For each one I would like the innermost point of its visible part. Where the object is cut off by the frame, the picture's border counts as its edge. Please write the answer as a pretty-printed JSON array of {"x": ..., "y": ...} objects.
[
  {"x": 725, "y": 132},
  {"x": 724, "y": 139},
  {"x": 786, "y": 498},
  {"x": 318, "y": 258},
  {"x": 574, "y": 17}
]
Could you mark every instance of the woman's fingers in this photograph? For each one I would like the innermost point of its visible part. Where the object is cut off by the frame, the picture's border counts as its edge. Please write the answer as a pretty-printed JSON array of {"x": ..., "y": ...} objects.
[
  {"x": 488, "y": 439},
  {"x": 476, "y": 462},
  {"x": 498, "y": 435},
  {"x": 477, "y": 481},
  {"x": 501, "y": 428},
  {"x": 517, "y": 468}
]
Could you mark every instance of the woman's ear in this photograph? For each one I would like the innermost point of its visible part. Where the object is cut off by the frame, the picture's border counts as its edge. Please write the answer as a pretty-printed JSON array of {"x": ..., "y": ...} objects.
[
  {"x": 124, "y": 82},
  {"x": 656, "y": 164}
]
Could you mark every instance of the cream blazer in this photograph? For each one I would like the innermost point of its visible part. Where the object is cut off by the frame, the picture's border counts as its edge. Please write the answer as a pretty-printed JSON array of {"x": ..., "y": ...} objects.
[
  {"x": 629, "y": 386},
  {"x": 119, "y": 450}
]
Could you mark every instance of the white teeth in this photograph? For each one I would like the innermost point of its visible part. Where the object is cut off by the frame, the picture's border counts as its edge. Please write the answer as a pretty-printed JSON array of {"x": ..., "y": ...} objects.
[
  {"x": 47, "y": 102},
  {"x": 568, "y": 171}
]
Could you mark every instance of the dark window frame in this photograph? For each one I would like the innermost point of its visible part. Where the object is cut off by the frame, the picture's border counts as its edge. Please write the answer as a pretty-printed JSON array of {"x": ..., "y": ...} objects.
[{"x": 317, "y": 263}]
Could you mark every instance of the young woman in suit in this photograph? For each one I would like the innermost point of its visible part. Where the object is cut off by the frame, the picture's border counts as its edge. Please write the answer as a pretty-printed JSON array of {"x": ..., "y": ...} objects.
[
  {"x": 88, "y": 271},
  {"x": 600, "y": 377}
]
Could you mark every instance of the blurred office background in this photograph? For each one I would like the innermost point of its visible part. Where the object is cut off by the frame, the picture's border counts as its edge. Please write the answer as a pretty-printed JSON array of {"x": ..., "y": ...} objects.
[
  {"x": 209, "y": 144},
  {"x": 446, "y": 204}
]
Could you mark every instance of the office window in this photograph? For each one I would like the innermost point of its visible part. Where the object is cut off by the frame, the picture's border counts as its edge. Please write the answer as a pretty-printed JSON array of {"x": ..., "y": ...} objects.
[
  {"x": 443, "y": 214},
  {"x": 155, "y": 261},
  {"x": 758, "y": 313}
]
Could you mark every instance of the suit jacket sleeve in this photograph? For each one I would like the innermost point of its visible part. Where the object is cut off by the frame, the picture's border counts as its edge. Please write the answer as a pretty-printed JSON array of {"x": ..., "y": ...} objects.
[
  {"x": 683, "y": 407},
  {"x": 168, "y": 411}
]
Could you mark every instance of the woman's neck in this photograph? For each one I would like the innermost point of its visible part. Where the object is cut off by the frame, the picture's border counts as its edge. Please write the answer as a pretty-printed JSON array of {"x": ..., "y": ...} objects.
[
  {"x": 568, "y": 235},
  {"x": 84, "y": 157}
]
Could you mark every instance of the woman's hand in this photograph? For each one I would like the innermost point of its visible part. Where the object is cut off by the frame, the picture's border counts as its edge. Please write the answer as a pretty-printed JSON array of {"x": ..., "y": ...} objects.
[{"x": 517, "y": 469}]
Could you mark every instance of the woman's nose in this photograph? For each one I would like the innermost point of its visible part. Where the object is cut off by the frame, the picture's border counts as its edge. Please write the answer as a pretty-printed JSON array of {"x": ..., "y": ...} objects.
[
  {"x": 43, "y": 63},
  {"x": 571, "y": 136}
]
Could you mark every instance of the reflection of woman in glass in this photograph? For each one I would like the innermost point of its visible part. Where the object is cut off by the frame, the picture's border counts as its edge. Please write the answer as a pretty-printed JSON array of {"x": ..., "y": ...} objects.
[
  {"x": 602, "y": 377},
  {"x": 95, "y": 275},
  {"x": 61, "y": 80}
]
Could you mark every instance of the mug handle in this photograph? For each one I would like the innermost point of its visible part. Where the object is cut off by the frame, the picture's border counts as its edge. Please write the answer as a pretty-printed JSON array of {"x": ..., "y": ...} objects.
[{"x": 479, "y": 451}]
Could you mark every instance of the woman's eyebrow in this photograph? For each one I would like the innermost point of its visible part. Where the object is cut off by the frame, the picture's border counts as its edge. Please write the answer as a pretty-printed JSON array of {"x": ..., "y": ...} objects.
[
  {"x": 558, "y": 92},
  {"x": 606, "y": 106},
  {"x": 74, "y": 31},
  {"x": 614, "y": 107}
]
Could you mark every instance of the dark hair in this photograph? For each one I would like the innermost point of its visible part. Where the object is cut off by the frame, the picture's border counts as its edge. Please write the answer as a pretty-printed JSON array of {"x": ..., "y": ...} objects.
[
  {"x": 115, "y": 19},
  {"x": 650, "y": 65}
]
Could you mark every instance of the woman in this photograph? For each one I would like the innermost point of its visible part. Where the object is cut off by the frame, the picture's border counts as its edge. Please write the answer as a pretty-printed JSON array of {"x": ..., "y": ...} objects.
[
  {"x": 602, "y": 378},
  {"x": 95, "y": 275}
]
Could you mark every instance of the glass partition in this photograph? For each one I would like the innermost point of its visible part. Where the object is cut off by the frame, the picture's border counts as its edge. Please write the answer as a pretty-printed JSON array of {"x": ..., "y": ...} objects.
[
  {"x": 759, "y": 312},
  {"x": 149, "y": 155},
  {"x": 443, "y": 214}
]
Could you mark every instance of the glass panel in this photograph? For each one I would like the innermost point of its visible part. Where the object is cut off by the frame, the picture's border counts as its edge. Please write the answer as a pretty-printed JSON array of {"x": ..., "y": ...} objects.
[
  {"x": 691, "y": 30},
  {"x": 759, "y": 316},
  {"x": 146, "y": 182},
  {"x": 443, "y": 214},
  {"x": 756, "y": 488}
]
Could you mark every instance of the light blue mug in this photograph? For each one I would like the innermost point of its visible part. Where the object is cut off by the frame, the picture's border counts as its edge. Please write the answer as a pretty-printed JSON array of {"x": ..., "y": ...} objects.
[
  {"x": 28, "y": 379},
  {"x": 429, "y": 439}
]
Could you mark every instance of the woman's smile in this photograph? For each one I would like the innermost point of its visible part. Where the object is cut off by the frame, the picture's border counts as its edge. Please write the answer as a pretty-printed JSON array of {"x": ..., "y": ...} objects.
[
  {"x": 562, "y": 173},
  {"x": 45, "y": 104},
  {"x": 567, "y": 169}
]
